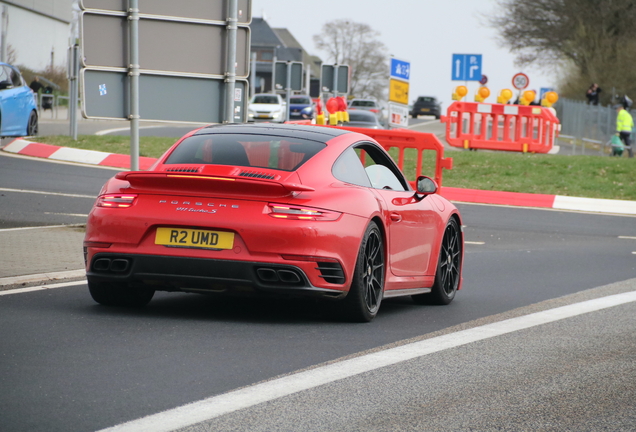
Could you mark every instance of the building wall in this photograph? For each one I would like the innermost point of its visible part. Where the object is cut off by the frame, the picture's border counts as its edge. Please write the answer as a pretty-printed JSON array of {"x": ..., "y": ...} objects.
[{"x": 36, "y": 29}]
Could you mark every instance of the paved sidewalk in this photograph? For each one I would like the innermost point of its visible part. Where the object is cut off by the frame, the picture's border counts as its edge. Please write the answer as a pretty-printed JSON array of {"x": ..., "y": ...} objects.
[{"x": 40, "y": 255}]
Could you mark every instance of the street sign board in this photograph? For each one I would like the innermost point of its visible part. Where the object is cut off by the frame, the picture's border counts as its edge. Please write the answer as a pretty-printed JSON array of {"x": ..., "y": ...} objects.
[
  {"x": 520, "y": 81},
  {"x": 191, "y": 9},
  {"x": 543, "y": 91},
  {"x": 400, "y": 69},
  {"x": 466, "y": 67},
  {"x": 295, "y": 69},
  {"x": 163, "y": 45},
  {"x": 398, "y": 91},
  {"x": 203, "y": 99},
  {"x": 326, "y": 78},
  {"x": 398, "y": 115}
]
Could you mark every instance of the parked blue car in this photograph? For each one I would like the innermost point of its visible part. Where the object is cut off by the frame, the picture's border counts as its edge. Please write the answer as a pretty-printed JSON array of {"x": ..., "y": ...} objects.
[
  {"x": 301, "y": 108},
  {"x": 18, "y": 110}
]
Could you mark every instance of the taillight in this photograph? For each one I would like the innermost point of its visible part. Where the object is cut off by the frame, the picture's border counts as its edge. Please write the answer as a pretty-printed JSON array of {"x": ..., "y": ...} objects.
[
  {"x": 116, "y": 201},
  {"x": 281, "y": 211},
  {"x": 373, "y": 110}
]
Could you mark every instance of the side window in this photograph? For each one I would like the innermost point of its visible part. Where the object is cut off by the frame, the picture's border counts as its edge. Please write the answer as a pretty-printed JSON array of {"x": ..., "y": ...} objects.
[
  {"x": 15, "y": 79},
  {"x": 348, "y": 168},
  {"x": 380, "y": 169},
  {"x": 5, "y": 78}
]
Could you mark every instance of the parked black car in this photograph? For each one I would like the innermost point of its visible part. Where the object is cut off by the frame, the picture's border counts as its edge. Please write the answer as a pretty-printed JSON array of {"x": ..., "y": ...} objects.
[{"x": 426, "y": 105}]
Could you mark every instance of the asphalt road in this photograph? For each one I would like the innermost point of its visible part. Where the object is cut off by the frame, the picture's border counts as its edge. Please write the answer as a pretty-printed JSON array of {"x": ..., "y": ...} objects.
[{"x": 67, "y": 364}]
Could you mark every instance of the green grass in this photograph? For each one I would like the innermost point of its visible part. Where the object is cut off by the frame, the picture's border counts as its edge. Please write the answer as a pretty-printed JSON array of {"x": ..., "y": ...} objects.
[{"x": 582, "y": 176}]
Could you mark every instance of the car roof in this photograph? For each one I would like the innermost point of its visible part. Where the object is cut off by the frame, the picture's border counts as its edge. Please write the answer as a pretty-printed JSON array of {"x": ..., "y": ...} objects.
[
  {"x": 361, "y": 113},
  {"x": 315, "y": 133}
]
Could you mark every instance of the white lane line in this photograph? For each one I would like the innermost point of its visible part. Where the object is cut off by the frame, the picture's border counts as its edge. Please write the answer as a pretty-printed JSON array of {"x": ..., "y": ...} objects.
[
  {"x": 474, "y": 243},
  {"x": 47, "y": 193},
  {"x": 122, "y": 129},
  {"x": 41, "y": 227},
  {"x": 216, "y": 406},
  {"x": 627, "y": 237},
  {"x": 67, "y": 214},
  {"x": 41, "y": 287}
]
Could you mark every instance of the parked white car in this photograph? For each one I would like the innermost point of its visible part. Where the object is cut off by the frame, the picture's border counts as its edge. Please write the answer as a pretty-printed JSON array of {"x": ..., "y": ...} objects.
[{"x": 266, "y": 107}]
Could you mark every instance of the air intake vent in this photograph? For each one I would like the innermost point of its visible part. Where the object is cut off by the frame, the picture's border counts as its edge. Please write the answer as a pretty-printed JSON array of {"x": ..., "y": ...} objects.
[
  {"x": 255, "y": 174},
  {"x": 184, "y": 169},
  {"x": 331, "y": 272}
]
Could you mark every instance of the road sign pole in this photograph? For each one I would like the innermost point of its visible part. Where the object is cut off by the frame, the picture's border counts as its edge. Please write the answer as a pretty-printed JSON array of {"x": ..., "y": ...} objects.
[
  {"x": 73, "y": 72},
  {"x": 335, "y": 80},
  {"x": 253, "y": 76},
  {"x": 288, "y": 89},
  {"x": 230, "y": 75},
  {"x": 133, "y": 72}
]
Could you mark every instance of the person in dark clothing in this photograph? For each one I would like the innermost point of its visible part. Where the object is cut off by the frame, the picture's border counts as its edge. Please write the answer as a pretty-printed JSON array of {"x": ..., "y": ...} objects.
[
  {"x": 36, "y": 85},
  {"x": 593, "y": 94}
]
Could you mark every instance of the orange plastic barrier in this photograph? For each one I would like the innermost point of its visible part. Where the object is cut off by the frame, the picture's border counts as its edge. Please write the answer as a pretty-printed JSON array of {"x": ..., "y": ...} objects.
[
  {"x": 404, "y": 139},
  {"x": 520, "y": 128}
]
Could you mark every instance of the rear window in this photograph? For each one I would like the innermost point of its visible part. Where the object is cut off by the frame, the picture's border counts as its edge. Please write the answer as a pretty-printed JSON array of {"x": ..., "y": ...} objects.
[
  {"x": 425, "y": 99},
  {"x": 363, "y": 103},
  {"x": 265, "y": 99},
  {"x": 362, "y": 116},
  {"x": 263, "y": 151}
]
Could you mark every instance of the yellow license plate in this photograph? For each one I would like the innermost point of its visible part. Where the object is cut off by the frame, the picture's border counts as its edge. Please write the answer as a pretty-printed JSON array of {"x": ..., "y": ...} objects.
[
  {"x": 263, "y": 116},
  {"x": 193, "y": 238},
  {"x": 424, "y": 109}
]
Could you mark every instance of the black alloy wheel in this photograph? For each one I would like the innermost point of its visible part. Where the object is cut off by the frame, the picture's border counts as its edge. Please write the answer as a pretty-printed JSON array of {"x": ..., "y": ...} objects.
[
  {"x": 449, "y": 268},
  {"x": 113, "y": 294},
  {"x": 367, "y": 287},
  {"x": 32, "y": 127}
]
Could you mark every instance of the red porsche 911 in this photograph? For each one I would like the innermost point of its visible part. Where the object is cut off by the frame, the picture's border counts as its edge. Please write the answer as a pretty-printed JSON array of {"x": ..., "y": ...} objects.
[{"x": 274, "y": 209}]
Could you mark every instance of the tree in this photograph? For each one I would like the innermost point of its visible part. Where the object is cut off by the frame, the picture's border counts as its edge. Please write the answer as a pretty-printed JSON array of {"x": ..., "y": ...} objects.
[
  {"x": 356, "y": 44},
  {"x": 588, "y": 40}
]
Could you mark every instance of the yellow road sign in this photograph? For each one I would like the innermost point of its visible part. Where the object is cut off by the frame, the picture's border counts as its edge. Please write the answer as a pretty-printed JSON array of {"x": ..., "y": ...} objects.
[{"x": 399, "y": 91}]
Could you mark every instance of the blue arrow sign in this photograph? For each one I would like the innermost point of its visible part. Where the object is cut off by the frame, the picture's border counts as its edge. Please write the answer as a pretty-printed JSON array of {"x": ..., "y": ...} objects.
[
  {"x": 466, "y": 67},
  {"x": 400, "y": 69}
]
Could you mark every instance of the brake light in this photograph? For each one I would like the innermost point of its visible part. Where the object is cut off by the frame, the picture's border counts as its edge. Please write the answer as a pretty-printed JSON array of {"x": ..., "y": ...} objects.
[
  {"x": 281, "y": 211},
  {"x": 373, "y": 110},
  {"x": 116, "y": 201}
]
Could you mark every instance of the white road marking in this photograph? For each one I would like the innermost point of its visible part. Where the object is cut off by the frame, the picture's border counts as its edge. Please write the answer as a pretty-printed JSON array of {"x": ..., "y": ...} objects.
[
  {"x": 41, "y": 227},
  {"x": 122, "y": 129},
  {"x": 474, "y": 243},
  {"x": 216, "y": 406},
  {"x": 627, "y": 237},
  {"x": 67, "y": 214},
  {"x": 47, "y": 193},
  {"x": 41, "y": 287}
]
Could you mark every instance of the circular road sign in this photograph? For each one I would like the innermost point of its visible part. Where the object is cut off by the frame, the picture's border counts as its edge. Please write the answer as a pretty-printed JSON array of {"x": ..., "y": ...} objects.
[
  {"x": 483, "y": 80},
  {"x": 520, "y": 81}
]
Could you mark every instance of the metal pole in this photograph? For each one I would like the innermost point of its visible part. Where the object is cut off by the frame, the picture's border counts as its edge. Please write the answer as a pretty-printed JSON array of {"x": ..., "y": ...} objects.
[
  {"x": 133, "y": 72},
  {"x": 4, "y": 24},
  {"x": 274, "y": 60},
  {"x": 253, "y": 76},
  {"x": 73, "y": 89},
  {"x": 335, "y": 81},
  {"x": 230, "y": 74},
  {"x": 288, "y": 90}
]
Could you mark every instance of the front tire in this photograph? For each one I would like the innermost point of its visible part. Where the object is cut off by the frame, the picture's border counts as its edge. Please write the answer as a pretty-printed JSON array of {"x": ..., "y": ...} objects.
[
  {"x": 32, "y": 126},
  {"x": 112, "y": 294},
  {"x": 367, "y": 287},
  {"x": 449, "y": 268}
]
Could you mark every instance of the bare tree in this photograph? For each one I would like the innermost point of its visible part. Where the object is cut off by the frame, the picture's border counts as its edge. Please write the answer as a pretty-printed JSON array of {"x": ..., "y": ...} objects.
[
  {"x": 356, "y": 44},
  {"x": 591, "y": 40}
]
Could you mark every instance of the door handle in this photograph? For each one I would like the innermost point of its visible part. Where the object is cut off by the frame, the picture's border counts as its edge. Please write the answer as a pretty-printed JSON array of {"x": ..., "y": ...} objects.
[{"x": 395, "y": 217}]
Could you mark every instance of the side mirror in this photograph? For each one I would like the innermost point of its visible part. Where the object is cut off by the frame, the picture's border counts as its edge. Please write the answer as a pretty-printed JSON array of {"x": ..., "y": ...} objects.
[
  {"x": 5, "y": 85},
  {"x": 426, "y": 185}
]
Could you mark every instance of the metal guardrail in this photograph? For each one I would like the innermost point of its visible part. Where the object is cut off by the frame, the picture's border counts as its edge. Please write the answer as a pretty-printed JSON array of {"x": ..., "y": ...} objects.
[{"x": 52, "y": 103}]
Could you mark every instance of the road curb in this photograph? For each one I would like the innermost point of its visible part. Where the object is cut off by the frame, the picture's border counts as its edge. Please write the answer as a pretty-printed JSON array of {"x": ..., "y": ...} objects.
[
  {"x": 557, "y": 202},
  {"x": 40, "y": 278}
]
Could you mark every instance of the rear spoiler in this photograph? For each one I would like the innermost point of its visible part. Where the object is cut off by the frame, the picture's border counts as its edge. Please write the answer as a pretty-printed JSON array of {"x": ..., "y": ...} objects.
[{"x": 175, "y": 182}]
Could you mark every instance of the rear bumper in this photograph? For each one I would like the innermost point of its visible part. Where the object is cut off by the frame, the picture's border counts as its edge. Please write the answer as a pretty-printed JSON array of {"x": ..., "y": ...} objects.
[{"x": 167, "y": 273}]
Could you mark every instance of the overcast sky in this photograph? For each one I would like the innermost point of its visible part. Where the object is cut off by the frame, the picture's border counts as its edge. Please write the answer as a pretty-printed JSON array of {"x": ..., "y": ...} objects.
[{"x": 424, "y": 32}]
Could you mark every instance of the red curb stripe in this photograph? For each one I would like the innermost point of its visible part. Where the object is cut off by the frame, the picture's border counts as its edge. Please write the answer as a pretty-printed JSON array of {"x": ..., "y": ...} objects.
[
  {"x": 39, "y": 150},
  {"x": 496, "y": 197}
]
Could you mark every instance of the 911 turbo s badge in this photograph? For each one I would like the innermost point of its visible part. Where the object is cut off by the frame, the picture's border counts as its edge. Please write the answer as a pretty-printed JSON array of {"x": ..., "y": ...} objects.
[{"x": 199, "y": 206}]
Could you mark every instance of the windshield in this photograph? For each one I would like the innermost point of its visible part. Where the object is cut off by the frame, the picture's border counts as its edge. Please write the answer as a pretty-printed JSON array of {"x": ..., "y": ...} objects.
[
  {"x": 265, "y": 99},
  {"x": 300, "y": 100},
  {"x": 362, "y": 103},
  {"x": 263, "y": 151}
]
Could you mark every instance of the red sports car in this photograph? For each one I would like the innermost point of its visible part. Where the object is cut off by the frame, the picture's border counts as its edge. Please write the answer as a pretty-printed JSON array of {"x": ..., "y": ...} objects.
[{"x": 274, "y": 209}]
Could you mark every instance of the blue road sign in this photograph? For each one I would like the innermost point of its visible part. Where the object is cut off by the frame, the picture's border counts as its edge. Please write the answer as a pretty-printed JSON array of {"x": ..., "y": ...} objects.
[
  {"x": 400, "y": 69},
  {"x": 543, "y": 91},
  {"x": 466, "y": 67}
]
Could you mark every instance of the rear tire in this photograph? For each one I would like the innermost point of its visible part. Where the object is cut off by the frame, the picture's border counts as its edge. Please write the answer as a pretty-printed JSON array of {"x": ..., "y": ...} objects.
[
  {"x": 449, "y": 269},
  {"x": 113, "y": 294},
  {"x": 367, "y": 287}
]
